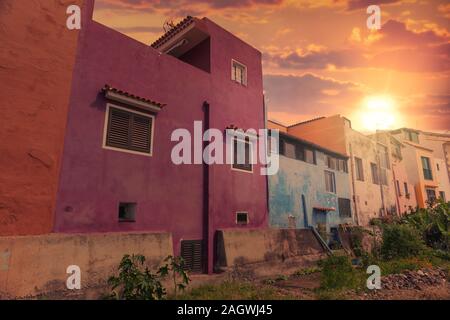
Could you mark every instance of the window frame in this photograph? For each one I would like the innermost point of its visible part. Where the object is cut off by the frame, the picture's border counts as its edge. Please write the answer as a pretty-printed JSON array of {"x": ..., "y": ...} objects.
[
  {"x": 250, "y": 142},
  {"x": 428, "y": 170},
  {"x": 376, "y": 179},
  {"x": 133, "y": 207},
  {"x": 241, "y": 223},
  {"x": 233, "y": 75},
  {"x": 333, "y": 181},
  {"x": 359, "y": 160},
  {"x": 130, "y": 110}
]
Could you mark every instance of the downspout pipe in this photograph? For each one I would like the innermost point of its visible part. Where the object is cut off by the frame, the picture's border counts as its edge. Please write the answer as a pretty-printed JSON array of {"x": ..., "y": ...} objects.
[{"x": 208, "y": 241}]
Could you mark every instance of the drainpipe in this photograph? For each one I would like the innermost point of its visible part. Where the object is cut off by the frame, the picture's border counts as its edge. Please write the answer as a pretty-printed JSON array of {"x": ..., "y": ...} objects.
[
  {"x": 267, "y": 155},
  {"x": 383, "y": 207},
  {"x": 397, "y": 196},
  {"x": 208, "y": 238},
  {"x": 352, "y": 174}
]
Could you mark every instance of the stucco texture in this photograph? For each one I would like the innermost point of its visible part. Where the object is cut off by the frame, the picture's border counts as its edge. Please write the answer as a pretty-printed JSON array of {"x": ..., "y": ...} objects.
[
  {"x": 36, "y": 265},
  {"x": 295, "y": 179},
  {"x": 37, "y": 56}
]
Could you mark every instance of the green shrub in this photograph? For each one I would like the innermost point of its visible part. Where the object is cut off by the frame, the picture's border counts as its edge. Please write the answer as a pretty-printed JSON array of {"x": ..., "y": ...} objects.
[
  {"x": 136, "y": 282},
  {"x": 400, "y": 241},
  {"x": 337, "y": 273},
  {"x": 432, "y": 223}
]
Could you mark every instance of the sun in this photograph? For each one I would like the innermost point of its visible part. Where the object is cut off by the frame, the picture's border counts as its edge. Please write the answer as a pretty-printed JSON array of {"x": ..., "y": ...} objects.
[{"x": 378, "y": 113}]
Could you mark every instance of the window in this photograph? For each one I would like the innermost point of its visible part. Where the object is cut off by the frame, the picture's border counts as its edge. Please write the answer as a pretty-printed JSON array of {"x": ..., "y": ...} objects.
[
  {"x": 431, "y": 194},
  {"x": 330, "y": 182},
  {"x": 345, "y": 210},
  {"x": 242, "y": 155},
  {"x": 437, "y": 166},
  {"x": 384, "y": 157},
  {"x": 412, "y": 136},
  {"x": 398, "y": 188},
  {"x": 375, "y": 176},
  {"x": 295, "y": 150},
  {"x": 241, "y": 218},
  {"x": 406, "y": 190},
  {"x": 396, "y": 150},
  {"x": 344, "y": 165},
  {"x": 192, "y": 254},
  {"x": 427, "y": 173},
  {"x": 128, "y": 130},
  {"x": 238, "y": 72},
  {"x": 127, "y": 212},
  {"x": 289, "y": 150},
  {"x": 442, "y": 196},
  {"x": 359, "y": 169},
  {"x": 331, "y": 163},
  {"x": 309, "y": 156}
]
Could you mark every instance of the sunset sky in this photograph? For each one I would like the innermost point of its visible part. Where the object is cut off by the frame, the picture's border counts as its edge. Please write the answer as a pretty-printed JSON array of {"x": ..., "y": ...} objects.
[{"x": 320, "y": 59}]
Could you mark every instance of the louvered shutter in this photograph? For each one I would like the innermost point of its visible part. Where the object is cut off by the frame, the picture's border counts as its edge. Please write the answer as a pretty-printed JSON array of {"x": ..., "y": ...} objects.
[
  {"x": 128, "y": 130},
  {"x": 192, "y": 253},
  {"x": 140, "y": 133}
]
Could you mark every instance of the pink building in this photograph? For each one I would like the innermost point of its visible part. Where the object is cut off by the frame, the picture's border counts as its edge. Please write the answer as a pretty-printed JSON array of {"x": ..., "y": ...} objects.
[{"x": 127, "y": 98}]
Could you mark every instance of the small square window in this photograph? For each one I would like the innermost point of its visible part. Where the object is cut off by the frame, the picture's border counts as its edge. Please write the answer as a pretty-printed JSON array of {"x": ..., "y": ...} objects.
[
  {"x": 238, "y": 72},
  {"x": 127, "y": 212},
  {"x": 242, "y": 218}
]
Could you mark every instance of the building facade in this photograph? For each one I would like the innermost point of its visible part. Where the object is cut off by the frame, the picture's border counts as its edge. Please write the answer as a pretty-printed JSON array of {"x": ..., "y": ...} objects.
[
  {"x": 370, "y": 178},
  {"x": 311, "y": 187},
  {"x": 425, "y": 157},
  {"x": 116, "y": 109}
]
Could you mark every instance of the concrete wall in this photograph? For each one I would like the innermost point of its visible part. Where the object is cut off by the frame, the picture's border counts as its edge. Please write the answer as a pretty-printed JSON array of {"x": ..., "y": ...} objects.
[
  {"x": 37, "y": 58},
  {"x": 296, "y": 178},
  {"x": 36, "y": 265},
  {"x": 252, "y": 246}
]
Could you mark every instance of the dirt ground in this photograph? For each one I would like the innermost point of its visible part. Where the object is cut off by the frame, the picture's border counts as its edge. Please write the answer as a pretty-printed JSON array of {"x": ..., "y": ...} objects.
[{"x": 303, "y": 287}]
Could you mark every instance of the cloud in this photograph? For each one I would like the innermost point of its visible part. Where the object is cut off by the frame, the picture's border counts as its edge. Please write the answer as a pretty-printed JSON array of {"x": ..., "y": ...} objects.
[
  {"x": 395, "y": 33},
  {"x": 363, "y": 4},
  {"x": 322, "y": 59},
  {"x": 429, "y": 111},
  {"x": 393, "y": 47},
  {"x": 309, "y": 93}
]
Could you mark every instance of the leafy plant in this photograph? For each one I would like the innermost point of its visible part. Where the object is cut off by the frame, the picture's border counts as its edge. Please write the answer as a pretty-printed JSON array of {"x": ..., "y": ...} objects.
[
  {"x": 433, "y": 224},
  {"x": 135, "y": 281},
  {"x": 400, "y": 241},
  {"x": 338, "y": 273},
  {"x": 175, "y": 265}
]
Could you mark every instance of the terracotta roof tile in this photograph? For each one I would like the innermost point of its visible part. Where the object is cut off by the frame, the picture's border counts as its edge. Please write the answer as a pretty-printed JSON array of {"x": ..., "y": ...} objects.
[
  {"x": 172, "y": 32},
  {"x": 129, "y": 95}
]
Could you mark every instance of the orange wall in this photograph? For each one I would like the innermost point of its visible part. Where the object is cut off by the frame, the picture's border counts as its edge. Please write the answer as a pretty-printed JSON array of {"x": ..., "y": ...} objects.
[
  {"x": 328, "y": 132},
  {"x": 37, "y": 56},
  {"x": 274, "y": 125}
]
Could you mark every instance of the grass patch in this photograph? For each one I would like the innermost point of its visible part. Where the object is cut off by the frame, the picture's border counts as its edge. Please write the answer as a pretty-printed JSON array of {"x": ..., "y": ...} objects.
[
  {"x": 338, "y": 273},
  {"x": 233, "y": 290}
]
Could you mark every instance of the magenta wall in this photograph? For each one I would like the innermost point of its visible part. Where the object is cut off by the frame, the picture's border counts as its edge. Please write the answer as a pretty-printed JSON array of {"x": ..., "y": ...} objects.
[{"x": 169, "y": 198}]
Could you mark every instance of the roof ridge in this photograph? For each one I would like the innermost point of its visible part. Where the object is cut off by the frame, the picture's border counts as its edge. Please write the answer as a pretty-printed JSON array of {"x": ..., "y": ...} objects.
[
  {"x": 174, "y": 30},
  {"x": 306, "y": 121}
]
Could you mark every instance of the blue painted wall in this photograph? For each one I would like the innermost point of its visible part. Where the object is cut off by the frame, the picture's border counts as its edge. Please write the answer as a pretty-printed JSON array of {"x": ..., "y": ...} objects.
[{"x": 296, "y": 178}]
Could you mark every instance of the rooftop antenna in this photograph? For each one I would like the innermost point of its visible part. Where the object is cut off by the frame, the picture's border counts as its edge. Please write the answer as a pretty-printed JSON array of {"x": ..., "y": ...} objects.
[{"x": 169, "y": 24}]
